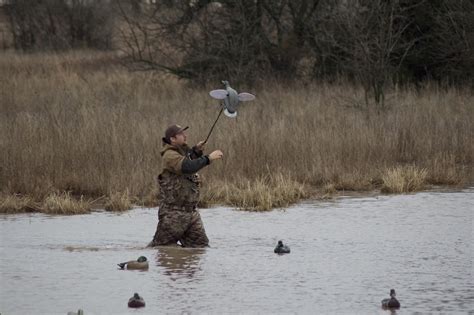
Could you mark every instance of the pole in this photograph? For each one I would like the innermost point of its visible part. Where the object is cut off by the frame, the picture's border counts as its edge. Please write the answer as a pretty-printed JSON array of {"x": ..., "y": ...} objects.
[{"x": 215, "y": 122}]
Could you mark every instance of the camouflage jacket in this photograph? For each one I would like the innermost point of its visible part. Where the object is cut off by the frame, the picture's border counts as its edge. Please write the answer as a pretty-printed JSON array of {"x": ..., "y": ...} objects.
[{"x": 179, "y": 182}]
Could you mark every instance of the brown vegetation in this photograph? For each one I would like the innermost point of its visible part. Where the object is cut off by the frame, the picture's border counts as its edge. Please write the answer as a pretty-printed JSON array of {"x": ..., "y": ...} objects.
[
  {"x": 64, "y": 203},
  {"x": 262, "y": 193},
  {"x": 53, "y": 203},
  {"x": 118, "y": 201},
  {"x": 15, "y": 204},
  {"x": 403, "y": 179},
  {"x": 96, "y": 129}
]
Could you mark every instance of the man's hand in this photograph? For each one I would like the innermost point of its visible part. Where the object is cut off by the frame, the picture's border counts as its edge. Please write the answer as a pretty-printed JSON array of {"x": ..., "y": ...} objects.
[
  {"x": 215, "y": 155},
  {"x": 200, "y": 145}
]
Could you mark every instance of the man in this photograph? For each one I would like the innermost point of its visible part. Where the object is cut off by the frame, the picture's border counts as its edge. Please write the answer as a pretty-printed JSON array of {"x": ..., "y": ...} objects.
[{"x": 178, "y": 218}]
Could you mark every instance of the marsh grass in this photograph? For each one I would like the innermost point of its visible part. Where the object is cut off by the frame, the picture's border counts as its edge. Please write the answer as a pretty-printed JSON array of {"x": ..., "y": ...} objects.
[
  {"x": 118, "y": 201},
  {"x": 16, "y": 204},
  {"x": 149, "y": 197},
  {"x": 64, "y": 203},
  {"x": 264, "y": 193},
  {"x": 78, "y": 122},
  {"x": 446, "y": 171},
  {"x": 403, "y": 179},
  {"x": 329, "y": 189}
]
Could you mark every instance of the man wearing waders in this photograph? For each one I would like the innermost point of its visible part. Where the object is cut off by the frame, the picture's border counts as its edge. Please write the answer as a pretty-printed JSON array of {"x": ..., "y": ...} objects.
[{"x": 178, "y": 218}]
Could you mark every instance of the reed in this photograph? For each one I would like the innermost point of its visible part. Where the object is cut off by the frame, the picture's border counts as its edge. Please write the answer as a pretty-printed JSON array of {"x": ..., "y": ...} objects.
[
  {"x": 78, "y": 122},
  {"x": 64, "y": 203},
  {"x": 16, "y": 204},
  {"x": 445, "y": 170},
  {"x": 149, "y": 197},
  {"x": 403, "y": 179},
  {"x": 118, "y": 201},
  {"x": 264, "y": 193}
]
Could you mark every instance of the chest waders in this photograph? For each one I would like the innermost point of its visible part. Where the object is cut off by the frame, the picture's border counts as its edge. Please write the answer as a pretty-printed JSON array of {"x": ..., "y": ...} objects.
[
  {"x": 178, "y": 219},
  {"x": 179, "y": 191}
]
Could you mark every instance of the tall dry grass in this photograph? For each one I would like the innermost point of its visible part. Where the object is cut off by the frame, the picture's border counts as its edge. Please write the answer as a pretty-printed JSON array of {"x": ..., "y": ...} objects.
[
  {"x": 64, "y": 203},
  {"x": 118, "y": 201},
  {"x": 403, "y": 179},
  {"x": 15, "y": 204},
  {"x": 80, "y": 123},
  {"x": 259, "y": 194}
]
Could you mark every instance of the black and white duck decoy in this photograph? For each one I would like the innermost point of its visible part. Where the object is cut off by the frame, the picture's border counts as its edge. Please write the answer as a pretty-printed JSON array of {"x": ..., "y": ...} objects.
[
  {"x": 140, "y": 264},
  {"x": 392, "y": 302},
  {"x": 231, "y": 98},
  {"x": 136, "y": 301},
  {"x": 281, "y": 249}
]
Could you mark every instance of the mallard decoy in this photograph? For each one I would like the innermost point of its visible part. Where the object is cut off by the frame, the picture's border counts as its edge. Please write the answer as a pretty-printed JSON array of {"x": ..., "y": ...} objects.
[
  {"x": 281, "y": 249},
  {"x": 140, "y": 264},
  {"x": 136, "y": 301},
  {"x": 79, "y": 312},
  {"x": 392, "y": 302}
]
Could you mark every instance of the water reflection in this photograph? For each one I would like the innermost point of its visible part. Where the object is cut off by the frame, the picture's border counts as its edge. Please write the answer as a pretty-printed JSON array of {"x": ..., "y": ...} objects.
[
  {"x": 345, "y": 259},
  {"x": 178, "y": 261}
]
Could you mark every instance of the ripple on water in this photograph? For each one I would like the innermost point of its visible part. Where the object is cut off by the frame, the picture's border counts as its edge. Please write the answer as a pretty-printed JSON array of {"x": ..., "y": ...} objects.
[{"x": 345, "y": 256}]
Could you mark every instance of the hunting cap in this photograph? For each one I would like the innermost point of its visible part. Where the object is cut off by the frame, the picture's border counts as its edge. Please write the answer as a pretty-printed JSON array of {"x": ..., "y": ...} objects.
[{"x": 172, "y": 131}]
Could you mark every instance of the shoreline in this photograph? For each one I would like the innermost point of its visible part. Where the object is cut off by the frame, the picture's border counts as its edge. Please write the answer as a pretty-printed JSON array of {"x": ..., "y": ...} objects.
[{"x": 99, "y": 205}]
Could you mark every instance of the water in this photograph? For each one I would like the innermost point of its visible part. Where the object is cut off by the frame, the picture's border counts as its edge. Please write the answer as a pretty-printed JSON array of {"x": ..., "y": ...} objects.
[{"x": 345, "y": 257}]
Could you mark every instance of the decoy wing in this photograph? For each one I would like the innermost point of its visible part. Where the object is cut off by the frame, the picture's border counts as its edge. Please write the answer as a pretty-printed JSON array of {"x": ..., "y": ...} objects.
[
  {"x": 244, "y": 97},
  {"x": 218, "y": 94}
]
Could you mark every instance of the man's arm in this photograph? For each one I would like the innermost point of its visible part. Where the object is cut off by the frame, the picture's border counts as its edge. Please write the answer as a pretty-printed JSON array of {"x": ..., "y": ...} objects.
[
  {"x": 176, "y": 163},
  {"x": 189, "y": 166},
  {"x": 197, "y": 150}
]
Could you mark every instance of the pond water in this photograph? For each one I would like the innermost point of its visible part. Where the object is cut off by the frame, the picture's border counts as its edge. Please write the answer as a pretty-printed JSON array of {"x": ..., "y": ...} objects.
[{"x": 345, "y": 256}]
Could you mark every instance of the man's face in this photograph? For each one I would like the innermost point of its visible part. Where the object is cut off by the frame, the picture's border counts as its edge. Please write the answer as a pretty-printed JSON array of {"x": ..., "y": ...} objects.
[{"x": 179, "y": 139}]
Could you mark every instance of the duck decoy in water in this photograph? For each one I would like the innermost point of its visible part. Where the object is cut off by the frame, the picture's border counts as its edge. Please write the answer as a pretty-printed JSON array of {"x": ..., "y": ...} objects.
[
  {"x": 281, "y": 249},
  {"x": 140, "y": 264},
  {"x": 136, "y": 301},
  {"x": 79, "y": 312},
  {"x": 392, "y": 302}
]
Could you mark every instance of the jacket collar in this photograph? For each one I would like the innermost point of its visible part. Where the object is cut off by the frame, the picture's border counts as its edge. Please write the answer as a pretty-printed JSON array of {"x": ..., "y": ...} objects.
[{"x": 180, "y": 149}]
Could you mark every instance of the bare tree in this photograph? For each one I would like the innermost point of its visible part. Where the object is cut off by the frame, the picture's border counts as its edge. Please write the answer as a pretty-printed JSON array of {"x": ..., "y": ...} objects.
[
  {"x": 367, "y": 40},
  {"x": 452, "y": 41},
  {"x": 60, "y": 24},
  {"x": 204, "y": 40}
]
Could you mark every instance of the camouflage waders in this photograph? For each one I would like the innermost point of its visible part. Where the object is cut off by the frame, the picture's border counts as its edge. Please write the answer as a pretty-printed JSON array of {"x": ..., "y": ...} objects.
[
  {"x": 178, "y": 225},
  {"x": 178, "y": 218}
]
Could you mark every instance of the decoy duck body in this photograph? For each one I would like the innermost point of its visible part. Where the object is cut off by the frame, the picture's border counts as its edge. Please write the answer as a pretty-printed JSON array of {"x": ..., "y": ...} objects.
[
  {"x": 281, "y": 249},
  {"x": 136, "y": 301},
  {"x": 392, "y": 302},
  {"x": 140, "y": 264}
]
